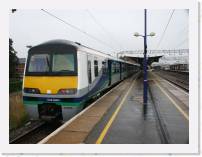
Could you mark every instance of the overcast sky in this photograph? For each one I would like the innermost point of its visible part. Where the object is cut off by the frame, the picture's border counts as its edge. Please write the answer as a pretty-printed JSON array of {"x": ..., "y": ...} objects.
[{"x": 113, "y": 27}]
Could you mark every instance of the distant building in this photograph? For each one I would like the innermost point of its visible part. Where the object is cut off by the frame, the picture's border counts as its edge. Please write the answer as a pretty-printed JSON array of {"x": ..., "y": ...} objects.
[{"x": 20, "y": 67}]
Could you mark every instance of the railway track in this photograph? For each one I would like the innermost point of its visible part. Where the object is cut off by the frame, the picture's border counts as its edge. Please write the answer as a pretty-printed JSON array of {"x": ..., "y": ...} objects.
[
  {"x": 37, "y": 133},
  {"x": 179, "y": 80}
]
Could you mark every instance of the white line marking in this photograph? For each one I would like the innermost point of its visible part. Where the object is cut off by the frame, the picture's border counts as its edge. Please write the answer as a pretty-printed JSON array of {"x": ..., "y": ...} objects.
[
  {"x": 173, "y": 85},
  {"x": 173, "y": 102}
]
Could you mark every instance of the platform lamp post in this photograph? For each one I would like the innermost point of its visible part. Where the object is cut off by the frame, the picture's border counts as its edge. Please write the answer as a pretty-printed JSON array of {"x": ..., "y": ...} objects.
[
  {"x": 145, "y": 55},
  {"x": 13, "y": 10}
]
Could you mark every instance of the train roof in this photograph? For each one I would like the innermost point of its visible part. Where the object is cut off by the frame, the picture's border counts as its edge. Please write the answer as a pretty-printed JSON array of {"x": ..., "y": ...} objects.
[{"x": 80, "y": 47}]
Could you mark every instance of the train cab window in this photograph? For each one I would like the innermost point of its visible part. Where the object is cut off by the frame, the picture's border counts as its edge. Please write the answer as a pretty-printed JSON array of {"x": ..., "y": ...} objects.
[
  {"x": 63, "y": 63},
  {"x": 49, "y": 63},
  {"x": 39, "y": 63},
  {"x": 96, "y": 68}
]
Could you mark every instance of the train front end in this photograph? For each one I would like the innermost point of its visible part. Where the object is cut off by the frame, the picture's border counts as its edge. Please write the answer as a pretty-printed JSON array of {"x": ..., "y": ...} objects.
[{"x": 50, "y": 82}]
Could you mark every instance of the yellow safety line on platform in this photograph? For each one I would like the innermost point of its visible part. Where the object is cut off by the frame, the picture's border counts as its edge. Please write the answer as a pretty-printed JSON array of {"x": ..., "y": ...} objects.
[
  {"x": 174, "y": 103},
  {"x": 105, "y": 130}
]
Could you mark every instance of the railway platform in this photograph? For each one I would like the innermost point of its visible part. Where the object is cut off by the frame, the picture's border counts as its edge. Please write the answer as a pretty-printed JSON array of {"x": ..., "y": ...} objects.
[{"x": 119, "y": 116}]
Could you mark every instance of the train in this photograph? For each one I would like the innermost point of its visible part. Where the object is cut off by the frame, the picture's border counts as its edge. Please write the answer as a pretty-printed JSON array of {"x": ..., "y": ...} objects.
[
  {"x": 179, "y": 67},
  {"x": 61, "y": 76}
]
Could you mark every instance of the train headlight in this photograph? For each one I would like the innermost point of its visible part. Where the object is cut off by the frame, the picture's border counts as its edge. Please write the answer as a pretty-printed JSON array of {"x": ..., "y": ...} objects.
[
  {"x": 32, "y": 90},
  {"x": 67, "y": 91}
]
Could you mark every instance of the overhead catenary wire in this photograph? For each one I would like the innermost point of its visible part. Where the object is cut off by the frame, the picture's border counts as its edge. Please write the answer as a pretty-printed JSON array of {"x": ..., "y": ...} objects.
[
  {"x": 163, "y": 34},
  {"x": 184, "y": 30},
  {"x": 103, "y": 28},
  {"x": 182, "y": 42},
  {"x": 78, "y": 29}
]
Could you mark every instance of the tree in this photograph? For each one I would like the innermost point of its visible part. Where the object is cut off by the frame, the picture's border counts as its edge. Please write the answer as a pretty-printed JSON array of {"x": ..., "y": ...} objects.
[{"x": 13, "y": 60}]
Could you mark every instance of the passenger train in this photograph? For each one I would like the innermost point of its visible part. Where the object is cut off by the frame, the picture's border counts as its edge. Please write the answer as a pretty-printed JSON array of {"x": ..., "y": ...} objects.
[
  {"x": 180, "y": 67},
  {"x": 61, "y": 75}
]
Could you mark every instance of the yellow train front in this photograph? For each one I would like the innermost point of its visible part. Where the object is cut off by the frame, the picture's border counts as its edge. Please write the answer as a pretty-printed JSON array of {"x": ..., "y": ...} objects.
[{"x": 60, "y": 76}]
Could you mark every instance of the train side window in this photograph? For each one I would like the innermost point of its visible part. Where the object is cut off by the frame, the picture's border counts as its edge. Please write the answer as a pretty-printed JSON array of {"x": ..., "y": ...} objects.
[
  {"x": 96, "y": 68},
  {"x": 104, "y": 68},
  {"x": 89, "y": 72},
  {"x": 113, "y": 67},
  {"x": 118, "y": 67}
]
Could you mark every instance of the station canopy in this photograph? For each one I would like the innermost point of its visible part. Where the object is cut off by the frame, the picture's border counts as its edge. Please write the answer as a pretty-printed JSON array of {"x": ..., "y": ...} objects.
[{"x": 139, "y": 57}]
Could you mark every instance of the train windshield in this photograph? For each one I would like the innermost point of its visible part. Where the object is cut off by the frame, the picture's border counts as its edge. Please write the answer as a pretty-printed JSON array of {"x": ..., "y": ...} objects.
[
  {"x": 39, "y": 63},
  {"x": 63, "y": 62},
  {"x": 52, "y": 64}
]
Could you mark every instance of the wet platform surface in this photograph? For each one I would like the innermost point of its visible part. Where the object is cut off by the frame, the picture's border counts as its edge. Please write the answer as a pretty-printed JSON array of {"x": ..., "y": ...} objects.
[
  {"x": 132, "y": 125},
  {"x": 78, "y": 128},
  {"x": 121, "y": 117},
  {"x": 182, "y": 95},
  {"x": 172, "y": 104}
]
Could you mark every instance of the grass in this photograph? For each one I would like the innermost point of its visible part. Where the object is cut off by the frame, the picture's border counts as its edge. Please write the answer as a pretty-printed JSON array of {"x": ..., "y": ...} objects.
[{"x": 17, "y": 113}]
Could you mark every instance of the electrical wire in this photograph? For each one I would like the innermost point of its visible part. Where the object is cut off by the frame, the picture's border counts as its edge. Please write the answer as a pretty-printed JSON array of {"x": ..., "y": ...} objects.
[
  {"x": 78, "y": 29},
  {"x": 103, "y": 28},
  {"x": 171, "y": 15},
  {"x": 182, "y": 42}
]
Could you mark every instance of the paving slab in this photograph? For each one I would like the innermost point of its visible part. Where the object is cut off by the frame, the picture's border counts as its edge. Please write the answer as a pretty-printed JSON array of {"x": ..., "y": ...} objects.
[{"x": 68, "y": 137}]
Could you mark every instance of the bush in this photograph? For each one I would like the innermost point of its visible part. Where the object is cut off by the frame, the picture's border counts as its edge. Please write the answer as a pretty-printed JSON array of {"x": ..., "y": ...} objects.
[{"x": 15, "y": 86}]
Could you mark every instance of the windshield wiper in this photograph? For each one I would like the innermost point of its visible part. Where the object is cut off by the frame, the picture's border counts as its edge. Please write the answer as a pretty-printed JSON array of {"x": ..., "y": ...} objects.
[
  {"x": 65, "y": 71},
  {"x": 48, "y": 62}
]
